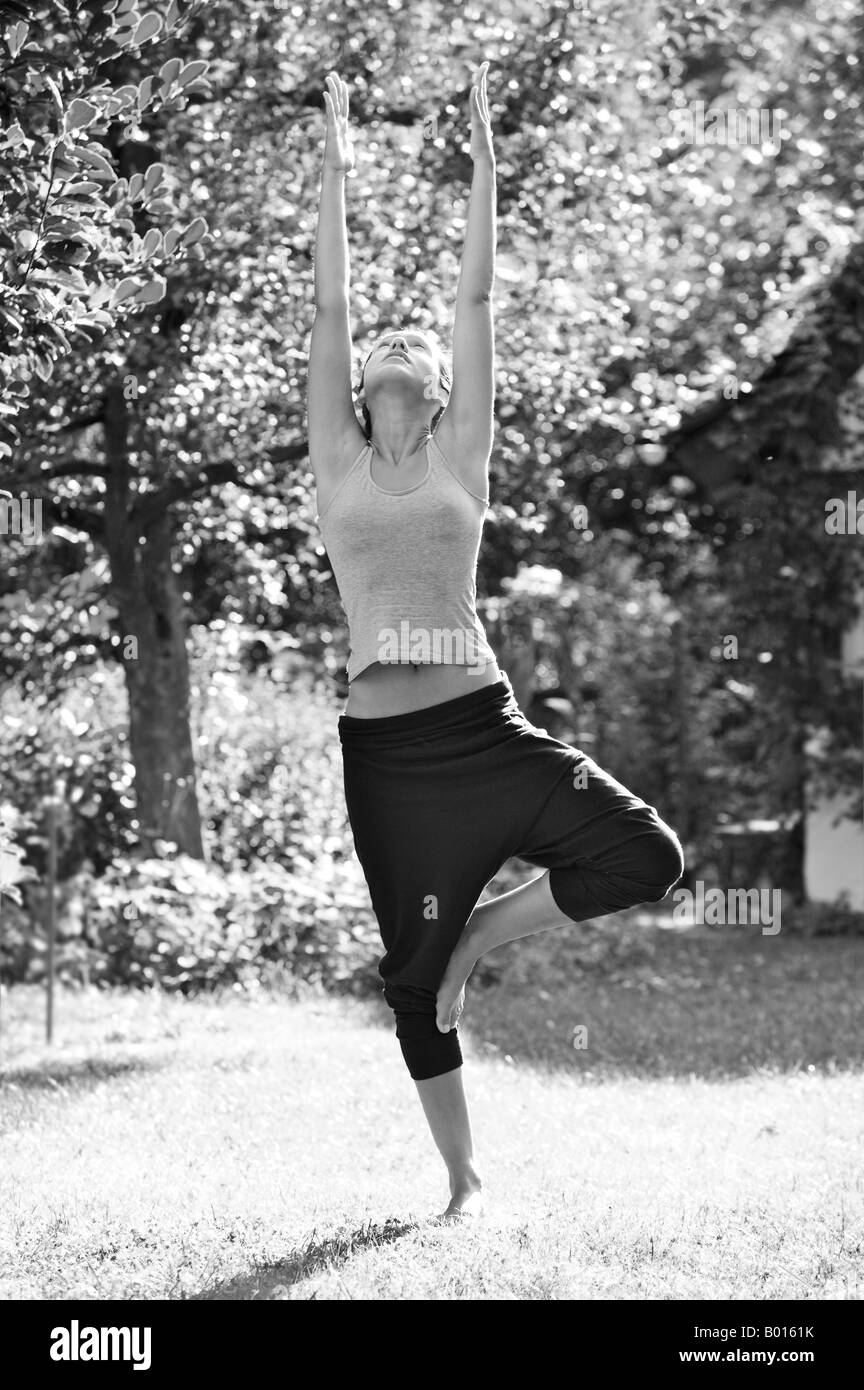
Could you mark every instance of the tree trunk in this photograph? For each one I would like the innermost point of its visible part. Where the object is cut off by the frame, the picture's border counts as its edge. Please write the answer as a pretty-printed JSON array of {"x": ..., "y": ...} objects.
[{"x": 153, "y": 651}]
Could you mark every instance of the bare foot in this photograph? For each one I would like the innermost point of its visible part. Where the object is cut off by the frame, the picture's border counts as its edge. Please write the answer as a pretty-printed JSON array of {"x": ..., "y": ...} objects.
[
  {"x": 450, "y": 999},
  {"x": 468, "y": 1200}
]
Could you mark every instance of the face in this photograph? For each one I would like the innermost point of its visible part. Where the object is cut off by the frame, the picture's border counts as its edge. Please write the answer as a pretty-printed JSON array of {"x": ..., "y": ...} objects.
[{"x": 404, "y": 355}]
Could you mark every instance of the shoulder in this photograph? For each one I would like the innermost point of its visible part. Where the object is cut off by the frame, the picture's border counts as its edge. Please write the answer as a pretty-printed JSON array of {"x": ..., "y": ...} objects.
[{"x": 470, "y": 466}]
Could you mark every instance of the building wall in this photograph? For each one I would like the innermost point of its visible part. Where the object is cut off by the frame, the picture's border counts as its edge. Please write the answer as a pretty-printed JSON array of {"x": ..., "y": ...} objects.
[{"x": 834, "y": 855}]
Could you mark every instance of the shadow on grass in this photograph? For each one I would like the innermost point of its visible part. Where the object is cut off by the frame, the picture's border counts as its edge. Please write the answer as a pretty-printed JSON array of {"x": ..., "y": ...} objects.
[
  {"x": 268, "y": 1282},
  {"x": 89, "y": 1071}
]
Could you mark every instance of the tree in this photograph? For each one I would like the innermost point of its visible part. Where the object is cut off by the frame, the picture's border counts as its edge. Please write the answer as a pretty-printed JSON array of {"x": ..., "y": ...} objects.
[
  {"x": 73, "y": 262},
  {"x": 619, "y": 310}
]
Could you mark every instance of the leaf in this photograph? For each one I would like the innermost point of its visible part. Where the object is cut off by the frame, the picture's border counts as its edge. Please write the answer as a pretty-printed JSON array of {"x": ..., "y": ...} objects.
[
  {"x": 169, "y": 71},
  {"x": 191, "y": 71},
  {"x": 62, "y": 225},
  {"x": 153, "y": 177},
  {"x": 152, "y": 292},
  {"x": 136, "y": 184},
  {"x": 55, "y": 92},
  {"x": 81, "y": 113},
  {"x": 124, "y": 290},
  {"x": 200, "y": 87},
  {"x": 95, "y": 161},
  {"x": 172, "y": 236},
  {"x": 148, "y": 28},
  {"x": 16, "y": 37},
  {"x": 145, "y": 93},
  {"x": 100, "y": 295},
  {"x": 69, "y": 281},
  {"x": 14, "y": 136},
  {"x": 26, "y": 239},
  {"x": 152, "y": 243},
  {"x": 80, "y": 190},
  {"x": 65, "y": 169},
  {"x": 194, "y": 232}
]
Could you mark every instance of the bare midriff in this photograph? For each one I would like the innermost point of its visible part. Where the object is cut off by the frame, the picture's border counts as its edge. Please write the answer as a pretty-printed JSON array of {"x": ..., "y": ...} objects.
[{"x": 382, "y": 690}]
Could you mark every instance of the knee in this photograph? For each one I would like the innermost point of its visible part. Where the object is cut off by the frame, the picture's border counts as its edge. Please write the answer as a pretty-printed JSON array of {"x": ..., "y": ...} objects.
[
  {"x": 662, "y": 862},
  {"x": 426, "y": 1051}
]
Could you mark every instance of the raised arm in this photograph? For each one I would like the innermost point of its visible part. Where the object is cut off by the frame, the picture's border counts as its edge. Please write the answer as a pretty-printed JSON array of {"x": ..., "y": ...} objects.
[
  {"x": 466, "y": 427},
  {"x": 334, "y": 431}
]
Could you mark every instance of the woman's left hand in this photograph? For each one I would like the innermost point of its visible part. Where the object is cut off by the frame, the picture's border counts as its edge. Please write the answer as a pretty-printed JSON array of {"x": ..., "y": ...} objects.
[{"x": 481, "y": 129}]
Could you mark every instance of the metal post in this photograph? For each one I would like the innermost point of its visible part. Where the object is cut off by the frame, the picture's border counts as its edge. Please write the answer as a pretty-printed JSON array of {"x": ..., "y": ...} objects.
[{"x": 52, "y": 910}]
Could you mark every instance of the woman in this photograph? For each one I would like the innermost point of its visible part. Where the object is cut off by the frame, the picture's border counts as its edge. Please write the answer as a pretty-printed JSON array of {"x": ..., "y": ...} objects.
[{"x": 445, "y": 779}]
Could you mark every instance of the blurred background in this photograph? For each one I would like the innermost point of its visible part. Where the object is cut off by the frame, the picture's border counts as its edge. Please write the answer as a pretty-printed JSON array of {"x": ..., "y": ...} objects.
[{"x": 671, "y": 570}]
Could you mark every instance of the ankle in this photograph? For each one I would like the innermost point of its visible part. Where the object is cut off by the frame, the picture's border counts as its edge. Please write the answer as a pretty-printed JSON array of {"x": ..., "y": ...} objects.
[{"x": 465, "y": 1178}]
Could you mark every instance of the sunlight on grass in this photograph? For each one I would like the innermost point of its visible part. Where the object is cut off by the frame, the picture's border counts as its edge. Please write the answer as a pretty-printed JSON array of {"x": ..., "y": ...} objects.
[{"x": 242, "y": 1149}]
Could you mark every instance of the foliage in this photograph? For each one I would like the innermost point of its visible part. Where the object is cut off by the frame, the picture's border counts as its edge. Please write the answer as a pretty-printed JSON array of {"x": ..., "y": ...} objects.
[
  {"x": 641, "y": 278},
  {"x": 270, "y": 773},
  {"x": 282, "y": 892},
  {"x": 13, "y": 870},
  {"x": 184, "y": 925},
  {"x": 81, "y": 247},
  {"x": 823, "y": 919},
  {"x": 78, "y": 746}
]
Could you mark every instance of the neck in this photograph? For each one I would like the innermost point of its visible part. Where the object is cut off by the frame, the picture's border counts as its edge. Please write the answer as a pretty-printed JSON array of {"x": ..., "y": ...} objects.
[{"x": 397, "y": 432}]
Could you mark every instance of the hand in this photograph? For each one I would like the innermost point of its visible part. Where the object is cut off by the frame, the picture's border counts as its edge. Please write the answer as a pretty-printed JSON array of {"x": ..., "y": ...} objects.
[
  {"x": 481, "y": 130},
  {"x": 338, "y": 150}
]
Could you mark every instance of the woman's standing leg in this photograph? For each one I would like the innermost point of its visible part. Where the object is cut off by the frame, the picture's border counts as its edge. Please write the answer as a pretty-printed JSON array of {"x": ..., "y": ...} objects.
[
  {"x": 426, "y": 854},
  {"x": 446, "y": 1108}
]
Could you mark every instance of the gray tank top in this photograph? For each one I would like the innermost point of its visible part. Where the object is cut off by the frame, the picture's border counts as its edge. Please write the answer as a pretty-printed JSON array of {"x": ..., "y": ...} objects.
[{"x": 406, "y": 564}]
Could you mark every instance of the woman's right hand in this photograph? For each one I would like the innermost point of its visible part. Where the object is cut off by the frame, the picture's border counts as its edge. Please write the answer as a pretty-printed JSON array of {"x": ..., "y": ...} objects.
[{"x": 338, "y": 150}]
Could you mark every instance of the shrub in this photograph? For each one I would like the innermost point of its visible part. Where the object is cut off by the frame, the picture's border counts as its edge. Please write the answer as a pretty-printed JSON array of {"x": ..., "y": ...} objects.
[
  {"x": 189, "y": 926},
  {"x": 823, "y": 919}
]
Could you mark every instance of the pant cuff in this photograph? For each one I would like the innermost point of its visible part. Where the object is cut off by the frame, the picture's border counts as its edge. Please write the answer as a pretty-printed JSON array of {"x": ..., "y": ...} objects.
[{"x": 428, "y": 1057}]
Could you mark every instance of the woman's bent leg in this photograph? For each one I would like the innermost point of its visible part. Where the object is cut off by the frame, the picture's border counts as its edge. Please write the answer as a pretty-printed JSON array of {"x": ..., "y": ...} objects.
[{"x": 605, "y": 850}]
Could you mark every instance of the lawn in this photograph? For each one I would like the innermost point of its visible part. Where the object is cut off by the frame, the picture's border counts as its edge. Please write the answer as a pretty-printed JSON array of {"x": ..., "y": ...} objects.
[{"x": 705, "y": 1143}]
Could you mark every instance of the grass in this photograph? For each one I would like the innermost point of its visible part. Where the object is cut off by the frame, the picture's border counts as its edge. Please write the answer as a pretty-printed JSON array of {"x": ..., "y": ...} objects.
[{"x": 705, "y": 1144}]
